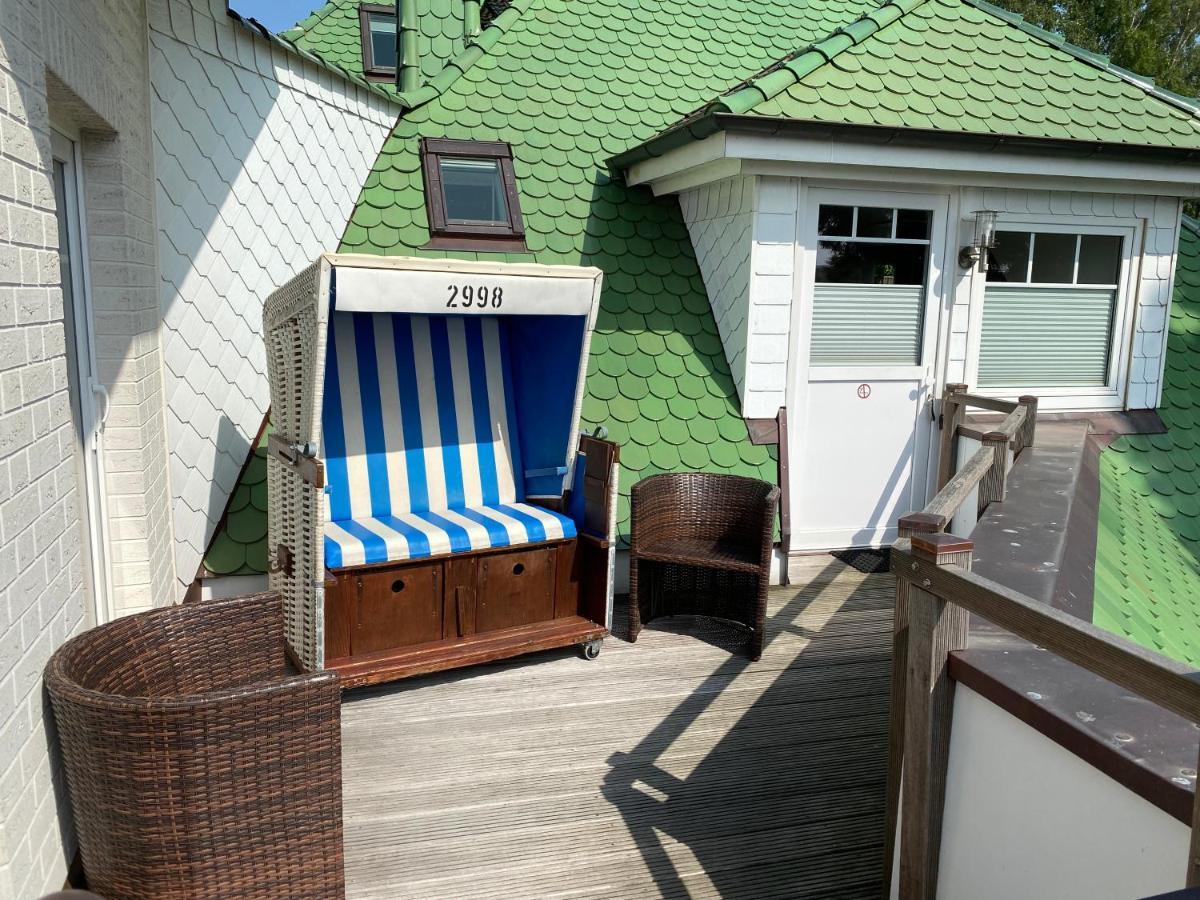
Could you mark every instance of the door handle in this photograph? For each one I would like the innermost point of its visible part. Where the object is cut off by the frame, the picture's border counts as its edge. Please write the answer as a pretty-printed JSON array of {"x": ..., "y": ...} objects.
[{"x": 101, "y": 391}]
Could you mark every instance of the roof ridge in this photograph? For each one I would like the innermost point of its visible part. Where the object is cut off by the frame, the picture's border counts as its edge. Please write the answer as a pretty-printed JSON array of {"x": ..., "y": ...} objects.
[
  {"x": 782, "y": 74},
  {"x": 288, "y": 45},
  {"x": 308, "y": 21},
  {"x": 1192, "y": 225},
  {"x": 1096, "y": 60}
]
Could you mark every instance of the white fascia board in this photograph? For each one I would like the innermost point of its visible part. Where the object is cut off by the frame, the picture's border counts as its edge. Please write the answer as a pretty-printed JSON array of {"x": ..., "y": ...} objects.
[
  {"x": 698, "y": 176},
  {"x": 793, "y": 156},
  {"x": 674, "y": 162}
]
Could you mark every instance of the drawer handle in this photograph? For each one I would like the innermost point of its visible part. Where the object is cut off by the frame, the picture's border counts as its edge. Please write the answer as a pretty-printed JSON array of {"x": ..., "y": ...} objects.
[
  {"x": 397, "y": 586},
  {"x": 518, "y": 568}
]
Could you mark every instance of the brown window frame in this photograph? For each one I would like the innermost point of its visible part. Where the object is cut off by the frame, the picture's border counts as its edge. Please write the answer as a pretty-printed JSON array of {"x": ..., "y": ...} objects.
[
  {"x": 370, "y": 70},
  {"x": 448, "y": 234}
]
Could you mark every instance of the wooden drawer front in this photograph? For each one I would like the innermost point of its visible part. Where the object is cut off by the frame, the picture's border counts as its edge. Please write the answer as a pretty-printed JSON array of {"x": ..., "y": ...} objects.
[
  {"x": 515, "y": 589},
  {"x": 397, "y": 607}
]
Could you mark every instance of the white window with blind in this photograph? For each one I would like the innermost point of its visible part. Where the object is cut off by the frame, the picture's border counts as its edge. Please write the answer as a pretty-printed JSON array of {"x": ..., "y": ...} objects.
[
  {"x": 869, "y": 286},
  {"x": 1053, "y": 311}
]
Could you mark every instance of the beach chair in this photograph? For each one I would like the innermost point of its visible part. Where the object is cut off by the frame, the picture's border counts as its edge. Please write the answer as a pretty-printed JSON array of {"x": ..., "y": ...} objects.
[{"x": 431, "y": 503}]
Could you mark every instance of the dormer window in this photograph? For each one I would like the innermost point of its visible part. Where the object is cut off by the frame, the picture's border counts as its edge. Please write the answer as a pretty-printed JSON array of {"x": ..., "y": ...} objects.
[
  {"x": 471, "y": 196},
  {"x": 377, "y": 25}
]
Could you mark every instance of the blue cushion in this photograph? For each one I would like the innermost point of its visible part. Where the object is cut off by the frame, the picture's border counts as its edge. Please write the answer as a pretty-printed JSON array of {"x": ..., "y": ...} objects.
[{"x": 416, "y": 535}]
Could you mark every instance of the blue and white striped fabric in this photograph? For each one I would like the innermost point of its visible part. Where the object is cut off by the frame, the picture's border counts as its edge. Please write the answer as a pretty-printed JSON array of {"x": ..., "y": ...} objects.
[{"x": 420, "y": 442}]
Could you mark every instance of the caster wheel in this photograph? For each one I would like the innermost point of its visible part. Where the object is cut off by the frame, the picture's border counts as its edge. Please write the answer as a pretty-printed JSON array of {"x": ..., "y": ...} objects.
[{"x": 590, "y": 650}]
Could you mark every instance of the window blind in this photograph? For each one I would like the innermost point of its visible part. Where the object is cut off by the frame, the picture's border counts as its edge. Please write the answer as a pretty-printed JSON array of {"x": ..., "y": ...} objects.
[
  {"x": 866, "y": 324},
  {"x": 1046, "y": 336}
]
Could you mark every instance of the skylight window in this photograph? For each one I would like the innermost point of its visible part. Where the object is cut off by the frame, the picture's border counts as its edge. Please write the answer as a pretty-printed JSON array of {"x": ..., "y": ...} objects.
[
  {"x": 471, "y": 195},
  {"x": 377, "y": 23}
]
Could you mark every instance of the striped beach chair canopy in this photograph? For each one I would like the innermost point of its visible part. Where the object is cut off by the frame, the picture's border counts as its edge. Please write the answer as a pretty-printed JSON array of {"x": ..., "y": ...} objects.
[{"x": 423, "y": 431}]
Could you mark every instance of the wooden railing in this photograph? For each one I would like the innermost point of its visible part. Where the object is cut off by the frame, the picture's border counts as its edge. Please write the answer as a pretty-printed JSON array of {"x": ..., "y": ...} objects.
[
  {"x": 936, "y": 592},
  {"x": 986, "y": 470}
]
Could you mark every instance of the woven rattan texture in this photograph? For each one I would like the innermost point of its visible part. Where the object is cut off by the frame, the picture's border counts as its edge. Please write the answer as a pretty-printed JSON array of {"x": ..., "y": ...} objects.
[
  {"x": 294, "y": 326},
  {"x": 701, "y": 545},
  {"x": 197, "y": 765}
]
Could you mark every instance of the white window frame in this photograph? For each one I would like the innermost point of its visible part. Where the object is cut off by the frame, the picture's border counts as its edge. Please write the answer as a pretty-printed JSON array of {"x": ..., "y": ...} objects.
[
  {"x": 1110, "y": 395},
  {"x": 806, "y": 269}
]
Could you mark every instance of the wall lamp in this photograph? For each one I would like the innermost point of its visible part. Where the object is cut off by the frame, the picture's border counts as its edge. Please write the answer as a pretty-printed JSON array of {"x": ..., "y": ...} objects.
[{"x": 985, "y": 239}]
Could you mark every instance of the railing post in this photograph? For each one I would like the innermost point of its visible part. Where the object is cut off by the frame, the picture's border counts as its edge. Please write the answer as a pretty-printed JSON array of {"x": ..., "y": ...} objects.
[
  {"x": 953, "y": 414},
  {"x": 910, "y": 525},
  {"x": 994, "y": 485},
  {"x": 920, "y": 523},
  {"x": 935, "y": 628},
  {"x": 1028, "y": 432}
]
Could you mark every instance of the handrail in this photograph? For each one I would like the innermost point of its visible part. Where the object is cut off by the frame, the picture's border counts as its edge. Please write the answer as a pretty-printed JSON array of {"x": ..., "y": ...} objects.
[
  {"x": 1012, "y": 422},
  {"x": 935, "y": 593},
  {"x": 988, "y": 468},
  {"x": 951, "y": 497},
  {"x": 980, "y": 402},
  {"x": 1150, "y": 675}
]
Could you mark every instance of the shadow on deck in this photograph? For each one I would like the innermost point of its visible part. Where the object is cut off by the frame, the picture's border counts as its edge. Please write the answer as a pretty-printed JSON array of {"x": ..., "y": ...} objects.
[{"x": 668, "y": 768}]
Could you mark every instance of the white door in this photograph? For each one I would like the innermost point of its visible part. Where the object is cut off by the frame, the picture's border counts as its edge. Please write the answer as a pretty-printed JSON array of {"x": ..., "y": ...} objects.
[
  {"x": 89, "y": 399},
  {"x": 872, "y": 272}
]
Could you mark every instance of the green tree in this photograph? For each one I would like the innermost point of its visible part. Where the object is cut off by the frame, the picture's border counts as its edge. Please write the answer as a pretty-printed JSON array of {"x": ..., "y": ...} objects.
[{"x": 1159, "y": 38}]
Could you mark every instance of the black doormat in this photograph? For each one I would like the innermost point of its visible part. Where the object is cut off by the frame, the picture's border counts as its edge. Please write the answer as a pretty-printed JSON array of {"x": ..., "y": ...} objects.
[{"x": 870, "y": 562}]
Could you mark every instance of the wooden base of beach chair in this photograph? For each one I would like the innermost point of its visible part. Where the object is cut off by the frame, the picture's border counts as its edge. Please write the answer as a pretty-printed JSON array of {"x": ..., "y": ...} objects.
[
  {"x": 437, "y": 656},
  {"x": 396, "y": 620}
]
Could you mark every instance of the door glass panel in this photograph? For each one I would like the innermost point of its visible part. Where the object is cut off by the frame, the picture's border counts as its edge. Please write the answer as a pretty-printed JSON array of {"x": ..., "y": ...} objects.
[
  {"x": 850, "y": 262},
  {"x": 1009, "y": 260},
  {"x": 1054, "y": 258},
  {"x": 869, "y": 292},
  {"x": 836, "y": 220},
  {"x": 874, "y": 222},
  {"x": 1099, "y": 258},
  {"x": 914, "y": 223}
]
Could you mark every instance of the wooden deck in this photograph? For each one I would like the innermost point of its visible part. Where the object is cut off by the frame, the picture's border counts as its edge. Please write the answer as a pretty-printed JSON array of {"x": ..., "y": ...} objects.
[{"x": 669, "y": 768}]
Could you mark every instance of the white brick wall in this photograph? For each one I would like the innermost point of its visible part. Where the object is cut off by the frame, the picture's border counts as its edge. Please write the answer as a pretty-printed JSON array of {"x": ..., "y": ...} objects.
[
  {"x": 260, "y": 156},
  {"x": 85, "y": 66}
]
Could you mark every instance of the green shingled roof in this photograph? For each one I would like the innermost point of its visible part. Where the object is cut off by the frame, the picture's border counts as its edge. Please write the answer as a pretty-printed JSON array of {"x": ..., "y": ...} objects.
[
  {"x": 951, "y": 66},
  {"x": 240, "y": 545},
  {"x": 332, "y": 32},
  {"x": 960, "y": 66},
  {"x": 1148, "y": 543}
]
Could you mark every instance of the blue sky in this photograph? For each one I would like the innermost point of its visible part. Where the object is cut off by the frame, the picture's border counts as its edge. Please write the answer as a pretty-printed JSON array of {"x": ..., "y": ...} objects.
[{"x": 275, "y": 14}]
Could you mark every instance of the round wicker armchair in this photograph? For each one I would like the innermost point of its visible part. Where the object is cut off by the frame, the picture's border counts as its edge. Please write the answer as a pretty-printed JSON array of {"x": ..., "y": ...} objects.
[
  {"x": 198, "y": 766},
  {"x": 701, "y": 545}
]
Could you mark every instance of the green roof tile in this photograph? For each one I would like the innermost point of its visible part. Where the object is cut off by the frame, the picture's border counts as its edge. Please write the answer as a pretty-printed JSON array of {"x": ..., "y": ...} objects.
[
  {"x": 1012, "y": 81},
  {"x": 1148, "y": 542},
  {"x": 240, "y": 545},
  {"x": 959, "y": 66}
]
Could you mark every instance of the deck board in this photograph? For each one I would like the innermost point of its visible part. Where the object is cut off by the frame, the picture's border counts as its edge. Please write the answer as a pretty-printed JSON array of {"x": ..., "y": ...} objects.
[{"x": 667, "y": 768}]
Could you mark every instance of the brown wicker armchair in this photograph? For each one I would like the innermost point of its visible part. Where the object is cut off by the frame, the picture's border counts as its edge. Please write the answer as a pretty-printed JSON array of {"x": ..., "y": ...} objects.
[
  {"x": 701, "y": 544},
  {"x": 198, "y": 766}
]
